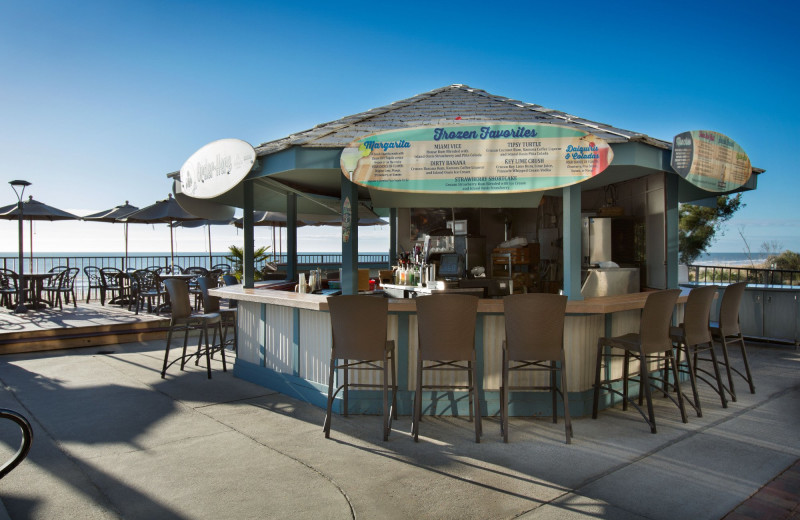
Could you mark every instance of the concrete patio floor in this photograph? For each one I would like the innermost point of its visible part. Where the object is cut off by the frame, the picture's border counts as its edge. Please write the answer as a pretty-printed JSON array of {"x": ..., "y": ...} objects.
[{"x": 114, "y": 440}]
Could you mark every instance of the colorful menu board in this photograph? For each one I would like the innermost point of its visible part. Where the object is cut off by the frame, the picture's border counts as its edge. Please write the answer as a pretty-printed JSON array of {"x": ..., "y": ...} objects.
[
  {"x": 485, "y": 157},
  {"x": 710, "y": 160}
]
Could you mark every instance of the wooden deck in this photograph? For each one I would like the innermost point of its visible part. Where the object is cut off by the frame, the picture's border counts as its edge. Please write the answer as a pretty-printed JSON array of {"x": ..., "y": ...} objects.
[{"x": 87, "y": 325}]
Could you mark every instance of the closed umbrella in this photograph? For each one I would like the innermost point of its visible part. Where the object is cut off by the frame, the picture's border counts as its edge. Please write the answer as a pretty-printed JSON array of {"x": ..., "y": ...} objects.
[
  {"x": 34, "y": 210},
  {"x": 208, "y": 224},
  {"x": 273, "y": 219},
  {"x": 166, "y": 211},
  {"x": 113, "y": 215}
]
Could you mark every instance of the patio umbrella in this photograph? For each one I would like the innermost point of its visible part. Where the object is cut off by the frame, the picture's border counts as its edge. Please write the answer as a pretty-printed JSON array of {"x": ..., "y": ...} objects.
[
  {"x": 34, "y": 210},
  {"x": 208, "y": 224},
  {"x": 113, "y": 215},
  {"x": 166, "y": 211}
]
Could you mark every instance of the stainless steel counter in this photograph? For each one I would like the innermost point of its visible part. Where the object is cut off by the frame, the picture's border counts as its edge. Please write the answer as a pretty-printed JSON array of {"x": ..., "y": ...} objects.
[{"x": 611, "y": 282}]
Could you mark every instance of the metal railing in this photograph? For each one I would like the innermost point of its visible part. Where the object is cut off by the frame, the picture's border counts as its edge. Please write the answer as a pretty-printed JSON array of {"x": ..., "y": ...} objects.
[
  {"x": 305, "y": 261},
  {"x": 732, "y": 274}
]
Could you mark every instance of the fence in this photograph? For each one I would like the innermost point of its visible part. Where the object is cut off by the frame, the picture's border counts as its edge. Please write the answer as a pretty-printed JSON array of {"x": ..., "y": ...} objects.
[
  {"x": 43, "y": 264},
  {"x": 733, "y": 274}
]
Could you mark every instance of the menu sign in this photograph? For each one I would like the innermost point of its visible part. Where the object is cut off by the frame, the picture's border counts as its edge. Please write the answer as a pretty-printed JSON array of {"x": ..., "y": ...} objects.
[
  {"x": 486, "y": 157},
  {"x": 216, "y": 168},
  {"x": 710, "y": 160}
]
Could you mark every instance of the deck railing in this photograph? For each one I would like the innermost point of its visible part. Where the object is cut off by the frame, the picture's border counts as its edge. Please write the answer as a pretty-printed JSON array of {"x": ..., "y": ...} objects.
[
  {"x": 732, "y": 274},
  {"x": 305, "y": 261}
]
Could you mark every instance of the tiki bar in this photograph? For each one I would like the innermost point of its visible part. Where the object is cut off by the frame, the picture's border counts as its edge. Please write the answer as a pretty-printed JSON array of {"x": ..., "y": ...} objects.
[{"x": 485, "y": 196}]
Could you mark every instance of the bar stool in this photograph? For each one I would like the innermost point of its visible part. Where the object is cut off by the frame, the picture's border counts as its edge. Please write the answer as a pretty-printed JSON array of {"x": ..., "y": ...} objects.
[
  {"x": 693, "y": 337},
  {"x": 359, "y": 329},
  {"x": 446, "y": 331},
  {"x": 211, "y": 304},
  {"x": 651, "y": 343},
  {"x": 182, "y": 319},
  {"x": 727, "y": 331},
  {"x": 534, "y": 343}
]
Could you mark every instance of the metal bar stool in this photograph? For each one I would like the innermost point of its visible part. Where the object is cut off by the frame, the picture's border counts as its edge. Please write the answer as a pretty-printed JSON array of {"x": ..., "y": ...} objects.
[
  {"x": 727, "y": 332},
  {"x": 446, "y": 331},
  {"x": 359, "y": 329},
  {"x": 182, "y": 319},
  {"x": 535, "y": 343},
  {"x": 211, "y": 304},
  {"x": 652, "y": 343},
  {"x": 693, "y": 337}
]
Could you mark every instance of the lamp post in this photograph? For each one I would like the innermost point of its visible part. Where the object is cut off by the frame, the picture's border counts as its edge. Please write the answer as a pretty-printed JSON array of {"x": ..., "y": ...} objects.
[{"x": 20, "y": 300}]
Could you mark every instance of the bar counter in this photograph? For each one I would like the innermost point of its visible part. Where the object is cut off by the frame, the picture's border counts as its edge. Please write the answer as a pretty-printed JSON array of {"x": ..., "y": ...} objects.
[{"x": 284, "y": 344}]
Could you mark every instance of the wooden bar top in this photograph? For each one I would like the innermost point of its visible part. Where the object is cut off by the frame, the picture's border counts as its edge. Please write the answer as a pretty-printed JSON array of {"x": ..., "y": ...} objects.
[{"x": 318, "y": 302}]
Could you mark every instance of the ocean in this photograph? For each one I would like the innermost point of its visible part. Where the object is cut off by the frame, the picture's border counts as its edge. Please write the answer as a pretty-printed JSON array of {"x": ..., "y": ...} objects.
[{"x": 732, "y": 259}]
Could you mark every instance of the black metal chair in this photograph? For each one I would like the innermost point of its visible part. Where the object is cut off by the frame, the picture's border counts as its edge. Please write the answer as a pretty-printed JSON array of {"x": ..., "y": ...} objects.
[
  {"x": 359, "y": 329},
  {"x": 224, "y": 268},
  {"x": 114, "y": 284},
  {"x": 8, "y": 287},
  {"x": 63, "y": 283},
  {"x": 25, "y": 443},
  {"x": 145, "y": 290},
  {"x": 535, "y": 343},
  {"x": 94, "y": 279},
  {"x": 651, "y": 344},
  {"x": 194, "y": 289},
  {"x": 182, "y": 320}
]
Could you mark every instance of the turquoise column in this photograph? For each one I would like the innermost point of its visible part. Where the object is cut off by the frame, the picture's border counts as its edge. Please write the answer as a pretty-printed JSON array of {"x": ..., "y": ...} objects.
[
  {"x": 248, "y": 264},
  {"x": 291, "y": 236},
  {"x": 392, "y": 236},
  {"x": 572, "y": 241},
  {"x": 349, "y": 237},
  {"x": 671, "y": 222}
]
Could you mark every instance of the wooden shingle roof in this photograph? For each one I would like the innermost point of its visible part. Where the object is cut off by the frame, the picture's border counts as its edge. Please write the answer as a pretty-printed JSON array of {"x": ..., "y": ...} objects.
[{"x": 443, "y": 106}]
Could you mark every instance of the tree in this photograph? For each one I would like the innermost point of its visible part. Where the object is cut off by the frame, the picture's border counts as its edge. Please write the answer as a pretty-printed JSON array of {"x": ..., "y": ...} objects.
[
  {"x": 699, "y": 225},
  {"x": 786, "y": 261},
  {"x": 237, "y": 257}
]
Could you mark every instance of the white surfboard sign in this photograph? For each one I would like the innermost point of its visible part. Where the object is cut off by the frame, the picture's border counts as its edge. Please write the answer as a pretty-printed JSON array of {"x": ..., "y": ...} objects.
[{"x": 216, "y": 168}]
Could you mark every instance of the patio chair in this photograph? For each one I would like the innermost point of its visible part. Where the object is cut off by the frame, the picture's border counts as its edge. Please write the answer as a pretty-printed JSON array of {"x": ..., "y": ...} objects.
[
  {"x": 446, "y": 338},
  {"x": 727, "y": 331},
  {"x": 145, "y": 289},
  {"x": 63, "y": 283},
  {"x": 692, "y": 338},
  {"x": 194, "y": 289},
  {"x": 359, "y": 329},
  {"x": 182, "y": 320},
  {"x": 211, "y": 304},
  {"x": 114, "y": 284},
  {"x": 534, "y": 343},
  {"x": 225, "y": 268},
  {"x": 8, "y": 287},
  {"x": 651, "y": 344},
  {"x": 94, "y": 280}
]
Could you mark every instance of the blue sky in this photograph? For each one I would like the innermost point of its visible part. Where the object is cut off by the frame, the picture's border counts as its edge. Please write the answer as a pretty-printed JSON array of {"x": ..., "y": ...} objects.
[{"x": 99, "y": 100}]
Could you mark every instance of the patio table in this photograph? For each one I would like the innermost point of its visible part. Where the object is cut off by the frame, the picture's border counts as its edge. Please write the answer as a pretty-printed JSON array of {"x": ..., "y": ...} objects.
[{"x": 33, "y": 298}]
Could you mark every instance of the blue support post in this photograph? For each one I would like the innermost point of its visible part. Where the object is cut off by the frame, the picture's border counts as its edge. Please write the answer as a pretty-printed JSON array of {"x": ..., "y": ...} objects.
[
  {"x": 248, "y": 263},
  {"x": 572, "y": 241},
  {"x": 671, "y": 222},
  {"x": 349, "y": 237},
  {"x": 291, "y": 236}
]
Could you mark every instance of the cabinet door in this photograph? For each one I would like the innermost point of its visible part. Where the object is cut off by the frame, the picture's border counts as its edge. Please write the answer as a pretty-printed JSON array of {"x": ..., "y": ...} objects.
[
  {"x": 779, "y": 315},
  {"x": 751, "y": 313}
]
